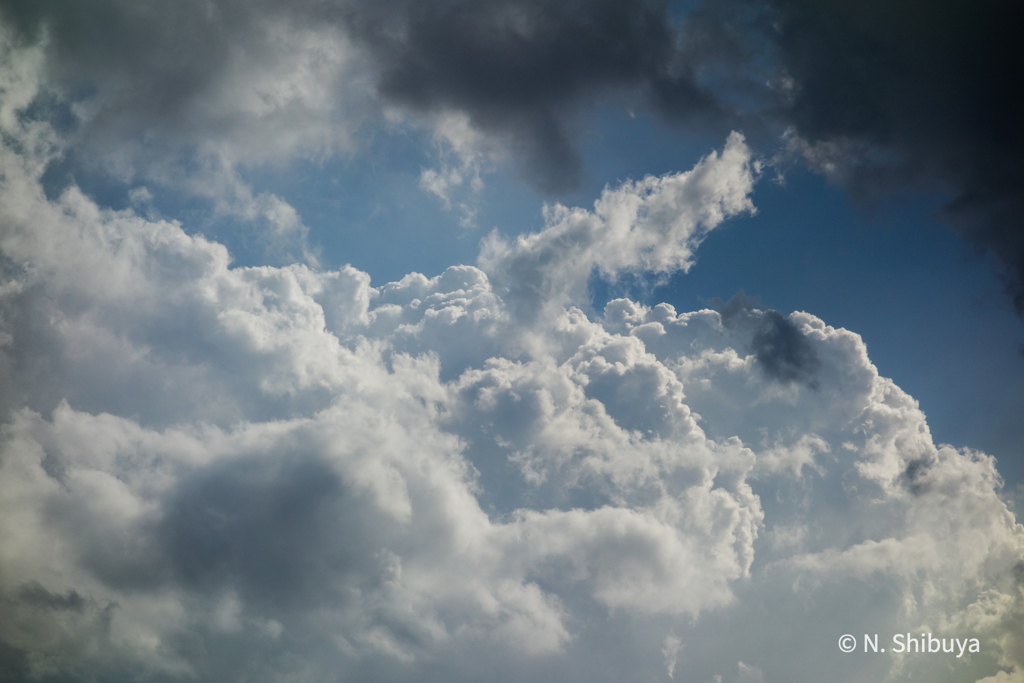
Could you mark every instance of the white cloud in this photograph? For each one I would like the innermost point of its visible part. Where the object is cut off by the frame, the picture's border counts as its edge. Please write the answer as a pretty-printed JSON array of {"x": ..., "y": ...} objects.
[
  {"x": 1004, "y": 677},
  {"x": 464, "y": 154},
  {"x": 189, "y": 100},
  {"x": 649, "y": 225},
  {"x": 749, "y": 674},
  {"x": 285, "y": 473},
  {"x": 245, "y": 85},
  {"x": 671, "y": 652}
]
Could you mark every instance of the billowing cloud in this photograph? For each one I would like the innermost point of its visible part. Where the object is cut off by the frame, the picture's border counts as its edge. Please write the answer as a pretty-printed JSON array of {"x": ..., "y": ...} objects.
[
  {"x": 652, "y": 225},
  {"x": 211, "y": 472}
]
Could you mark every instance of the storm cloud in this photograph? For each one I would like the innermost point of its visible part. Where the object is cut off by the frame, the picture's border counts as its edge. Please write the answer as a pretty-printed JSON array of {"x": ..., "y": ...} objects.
[
  {"x": 914, "y": 95},
  {"x": 876, "y": 95},
  {"x": 523, "y": 68}
]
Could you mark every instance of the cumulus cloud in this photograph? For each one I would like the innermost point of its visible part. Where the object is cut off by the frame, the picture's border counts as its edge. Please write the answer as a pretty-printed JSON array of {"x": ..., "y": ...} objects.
[
  {"x": 211, "y": 472},
  {"x": 652, "y": 225}
]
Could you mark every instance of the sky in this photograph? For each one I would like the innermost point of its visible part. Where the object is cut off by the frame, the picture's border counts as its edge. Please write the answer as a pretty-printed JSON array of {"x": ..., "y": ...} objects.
[{"x": 511, "y": 340}]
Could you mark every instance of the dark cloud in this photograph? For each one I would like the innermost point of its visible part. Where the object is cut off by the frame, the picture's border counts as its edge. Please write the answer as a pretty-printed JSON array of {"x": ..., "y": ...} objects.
[
  {"x": 518, "y": 67},
  {"x": 738, "y": 306},
  {"x": 915, "y": 476},
  {"x": 921, "y": 95},
  {"x": 259, "y": 523},
  {"x": 34, "y": 594},
  {"x": 184, "y": 95},
  {"x": 882, "y": 95},
  {"x": 153, "y": 62},
  {"x": 781, "y": 349},
  {"x": 13, "y": 664}
]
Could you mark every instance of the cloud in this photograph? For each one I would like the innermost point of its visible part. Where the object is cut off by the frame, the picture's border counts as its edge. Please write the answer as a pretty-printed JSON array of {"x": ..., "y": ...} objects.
[
  {"x": 875, "y": 96},
  {"x": 185, "y": 100},
  {"x": 464, "y": 154},
  {"x": 189, "y": 98},
  {"x": 186, "y": 96},
  {"x": 883, "y": 96},
  {"x": 286, "y": 473},
  {"x": 249, "y": 80},
  {"x": 649, "y": 225},
  {"x": 779, "y": 346},
  {"x": 520, "y": 69}
]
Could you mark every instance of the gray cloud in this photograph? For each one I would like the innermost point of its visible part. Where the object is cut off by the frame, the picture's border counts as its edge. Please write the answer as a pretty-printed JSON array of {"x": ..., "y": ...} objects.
[
  {"x": 782, "y": 350},
  {"x": 259, "y": 524},
  {"x": 914, "y": 95},
  {"x": 33, "y": 593},
  {"x": 186, "y": 98},
  {"x": 521, "y": 68},
  {"x": 182, "y": 74},
  {"x": 878, "y": 95},
  {"x": 206, "y": 85},
  {"x": 13, "y": 664}
]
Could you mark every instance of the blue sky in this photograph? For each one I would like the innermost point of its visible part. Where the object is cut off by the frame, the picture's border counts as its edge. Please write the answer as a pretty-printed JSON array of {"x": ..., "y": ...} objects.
[{"x": 510, "y": 340}]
